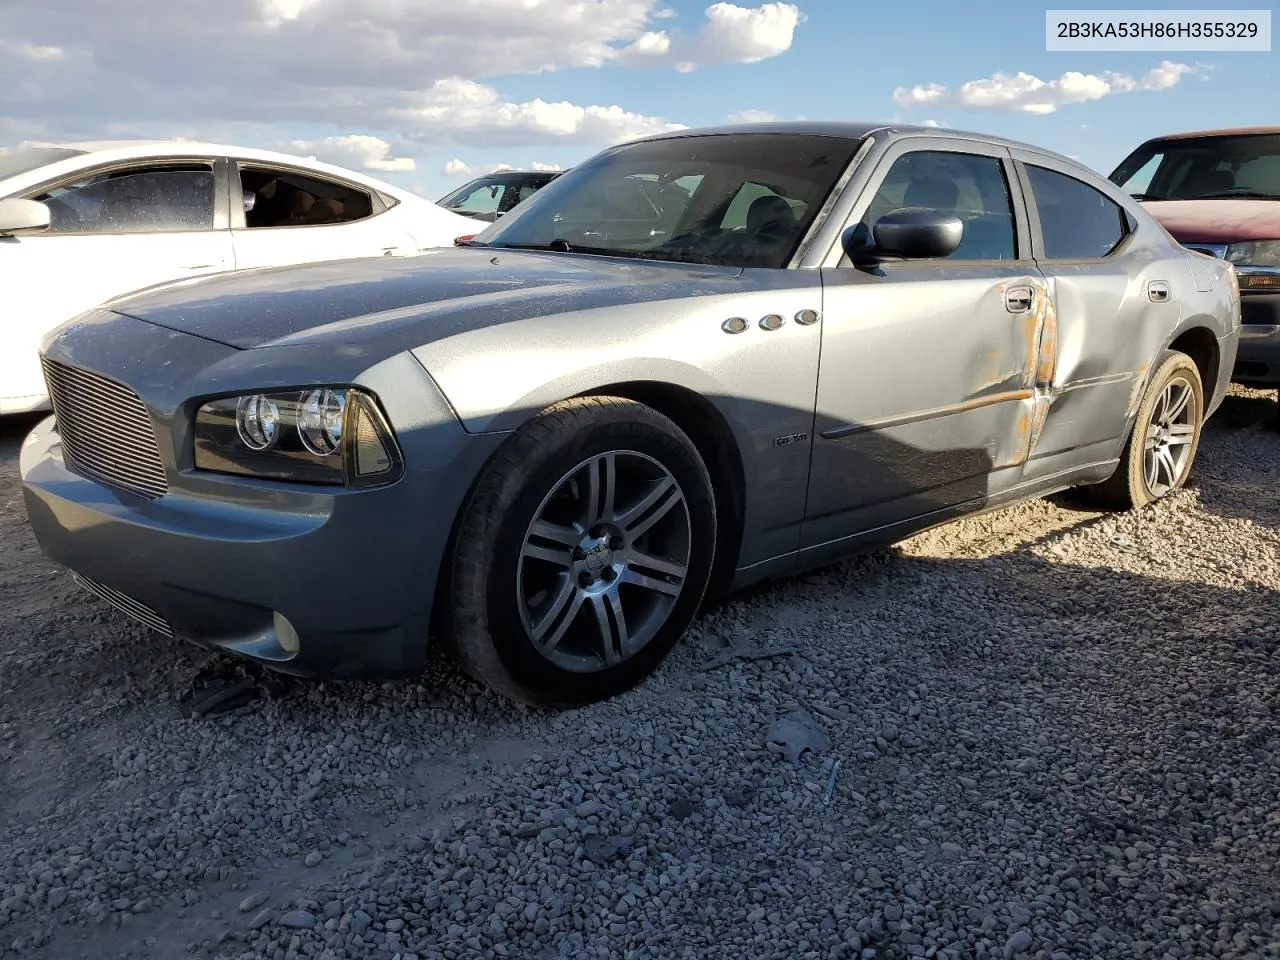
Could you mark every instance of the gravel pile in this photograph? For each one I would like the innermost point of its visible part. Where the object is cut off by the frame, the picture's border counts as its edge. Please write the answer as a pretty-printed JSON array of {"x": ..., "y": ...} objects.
[{"x": 1042, "y": 733}]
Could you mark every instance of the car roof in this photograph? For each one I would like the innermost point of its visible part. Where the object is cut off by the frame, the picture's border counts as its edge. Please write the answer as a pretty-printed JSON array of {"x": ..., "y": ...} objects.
[
  {"x": 518, "y": 173},
  {"x": 1223, "y": 132},
  {"x": 98, "y": 151},
  {"x": 856, "y": 130}
]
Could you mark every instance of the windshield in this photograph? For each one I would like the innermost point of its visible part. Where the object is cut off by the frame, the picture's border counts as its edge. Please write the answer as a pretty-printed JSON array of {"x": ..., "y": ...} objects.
[
  {"x": 490, "y": 195},
  {"x": 16, "y": 160},
  {"x": 1202, "y": 168},
  {"x": 741, "y": 200}
]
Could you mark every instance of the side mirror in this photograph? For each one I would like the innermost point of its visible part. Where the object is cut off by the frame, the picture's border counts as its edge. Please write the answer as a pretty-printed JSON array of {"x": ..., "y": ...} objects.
[
  {"x": 19, "y": 217},
  {"x": 911, "y": 233}
]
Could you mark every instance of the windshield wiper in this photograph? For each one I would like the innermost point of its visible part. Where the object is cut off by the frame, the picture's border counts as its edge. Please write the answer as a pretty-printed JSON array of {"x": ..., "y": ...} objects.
[
  {"x": 558, "y": 245},
  {"x": 1146, "y": 196},
  {"x": 1237, "y": 194}
]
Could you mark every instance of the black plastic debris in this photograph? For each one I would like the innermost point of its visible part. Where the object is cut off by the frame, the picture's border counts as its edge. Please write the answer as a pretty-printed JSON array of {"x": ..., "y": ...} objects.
[{"x": 222, "y": 687}]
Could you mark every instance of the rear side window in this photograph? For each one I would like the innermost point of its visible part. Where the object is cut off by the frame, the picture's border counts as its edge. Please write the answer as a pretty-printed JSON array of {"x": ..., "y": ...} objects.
[
  {"x": 283, "y": 198},
  {"x": 1076, "y": 221}
]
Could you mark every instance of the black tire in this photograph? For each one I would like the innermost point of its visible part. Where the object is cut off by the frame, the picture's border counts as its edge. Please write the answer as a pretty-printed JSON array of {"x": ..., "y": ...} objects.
[
  {"x": 487, "y": 613},
  {"x": 1128, "y": 488}
]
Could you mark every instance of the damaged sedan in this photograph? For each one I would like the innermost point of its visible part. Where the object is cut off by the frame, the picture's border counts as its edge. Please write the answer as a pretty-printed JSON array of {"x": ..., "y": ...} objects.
[{"x": 691, "y": 363}]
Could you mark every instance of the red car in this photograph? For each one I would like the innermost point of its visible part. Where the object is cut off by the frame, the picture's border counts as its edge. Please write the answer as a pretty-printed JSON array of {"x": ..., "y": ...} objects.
[{"x": 1218, "y": 192}]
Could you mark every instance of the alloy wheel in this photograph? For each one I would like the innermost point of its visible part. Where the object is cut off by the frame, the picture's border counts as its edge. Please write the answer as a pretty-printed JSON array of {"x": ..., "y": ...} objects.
[
  {"x": 604, "y": 561},
  {"x": 1170, "y": 434}
]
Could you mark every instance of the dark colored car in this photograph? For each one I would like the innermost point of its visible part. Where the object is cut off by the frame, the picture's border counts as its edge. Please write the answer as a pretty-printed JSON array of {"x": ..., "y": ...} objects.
[
  {"x": 490, "y": 197},
  {"x": 1218, "y": 192}
]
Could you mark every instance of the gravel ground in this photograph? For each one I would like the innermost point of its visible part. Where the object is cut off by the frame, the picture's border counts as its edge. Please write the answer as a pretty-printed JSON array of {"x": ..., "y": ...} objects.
[{"x": 1056, "y": 734}]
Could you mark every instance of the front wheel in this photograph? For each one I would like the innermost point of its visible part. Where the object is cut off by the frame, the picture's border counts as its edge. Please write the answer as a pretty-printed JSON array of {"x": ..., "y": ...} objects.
[
  {"x": 582, "y": 554},
  {"x": 1163, "y": 442}
]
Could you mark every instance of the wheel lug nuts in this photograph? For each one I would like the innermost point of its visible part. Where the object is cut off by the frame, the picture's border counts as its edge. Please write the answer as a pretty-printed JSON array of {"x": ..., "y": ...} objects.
[
  {"x": 615, "y": 543},
  {"x": 578, "y": 553},
  {"x": 584, "y": 580},
  {"x": 610, "y": 574}
]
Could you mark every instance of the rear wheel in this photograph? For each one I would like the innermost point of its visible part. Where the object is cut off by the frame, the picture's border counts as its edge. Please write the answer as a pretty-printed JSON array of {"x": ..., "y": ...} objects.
[
  {"x": 583, "y": 553},
  {"x": 1162, "y": 445}
]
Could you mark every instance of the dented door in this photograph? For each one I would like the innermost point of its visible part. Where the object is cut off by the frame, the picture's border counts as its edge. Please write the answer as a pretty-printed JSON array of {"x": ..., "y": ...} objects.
[
  {"x": 926, "y": 390},
  {"x": 929, "y": 371},
  {"x": 1112, "y": 309}
]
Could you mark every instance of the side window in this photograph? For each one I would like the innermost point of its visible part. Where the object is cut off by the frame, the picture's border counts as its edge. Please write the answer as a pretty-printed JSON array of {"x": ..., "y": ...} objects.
[
  {"x": 154, "y": 199},
  {"x": 1077, "y": 222},
  {"x": 282, "y": 198},
  {"x": 527, "y": 190},
  {"x": 971, "y": 187}
]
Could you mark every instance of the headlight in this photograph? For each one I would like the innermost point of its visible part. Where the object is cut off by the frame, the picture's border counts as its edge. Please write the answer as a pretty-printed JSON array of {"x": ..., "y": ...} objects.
[
  {"x": 1255, "y": 253},
  {"x": 330, "y": 435}
]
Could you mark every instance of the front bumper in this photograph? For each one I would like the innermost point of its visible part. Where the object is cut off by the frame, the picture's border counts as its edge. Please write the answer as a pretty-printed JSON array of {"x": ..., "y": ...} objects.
[
  {"x": 219, "y": 573},
  {"x": 1258, "y": 359},
  {"x": 246, "y": 565}
]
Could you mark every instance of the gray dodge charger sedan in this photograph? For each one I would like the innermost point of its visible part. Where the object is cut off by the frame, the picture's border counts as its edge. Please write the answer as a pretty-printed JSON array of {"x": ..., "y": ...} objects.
[{"x": 695, "y": 361}]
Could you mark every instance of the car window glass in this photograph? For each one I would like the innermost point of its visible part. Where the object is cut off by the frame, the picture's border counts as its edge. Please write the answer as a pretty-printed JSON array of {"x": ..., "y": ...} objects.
[
  {"x": 639, "y": 199},
  {"x": 739, "y": 214},
  {"x": 1076, "y": 221},
  {"x": 1190, "y": 168},
  {"x": 1261, "y": 174},
  {"x": 970, "y": 187},
  {"x": 485, "y": 198},
  {"x": 1141, "y": 179},
  {"x": 282, "y": 198},
  {"x": 674, "y": 199},
  {"x": 148, "y": 200}
]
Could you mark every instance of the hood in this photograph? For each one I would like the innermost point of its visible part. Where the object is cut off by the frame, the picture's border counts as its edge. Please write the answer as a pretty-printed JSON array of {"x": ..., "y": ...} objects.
[
  {"x": 1217, "y": 221},
  {"x": 437, "y": 293}
]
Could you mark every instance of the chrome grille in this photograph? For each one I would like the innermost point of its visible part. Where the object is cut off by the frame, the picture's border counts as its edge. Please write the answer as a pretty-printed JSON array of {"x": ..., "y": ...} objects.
[
  {"x": 126, "y": 605},
  {"x": 105, "y": 429}
]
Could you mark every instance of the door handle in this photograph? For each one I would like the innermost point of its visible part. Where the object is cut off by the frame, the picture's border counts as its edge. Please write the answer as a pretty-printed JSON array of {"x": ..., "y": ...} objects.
[
  {"x": 1019, "y": 299},
  {"x": 199, "y": 266},
  {"x": 1157, "y": 291}
]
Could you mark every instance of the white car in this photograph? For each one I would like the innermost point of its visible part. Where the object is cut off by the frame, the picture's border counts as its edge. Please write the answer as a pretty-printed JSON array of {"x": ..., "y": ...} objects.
[{"x": 83, "y": 223}]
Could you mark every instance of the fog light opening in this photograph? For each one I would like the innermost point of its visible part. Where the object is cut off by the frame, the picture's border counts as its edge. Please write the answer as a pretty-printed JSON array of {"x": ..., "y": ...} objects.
[{"x": 286, "y": 636}]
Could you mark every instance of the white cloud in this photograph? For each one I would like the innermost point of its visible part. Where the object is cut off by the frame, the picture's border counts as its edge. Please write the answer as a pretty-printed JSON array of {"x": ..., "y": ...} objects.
[
  {"x": 32, "y": 52},
  {"x": 371, "y": 65},
  {"x": 919, "y": 95},
  {"x": 472, "y": 113},
  {"x": 456, "y": 168},
  {"x": 740, "y": 35},
  {"x": 546, "y": 167},
  {"x": 1025, "y": 93},
  {"x": 730, "y": 34},
  {"x": 932, "y": 123},
  {"x": 361, "y": 152},
  {"x": 752, "y": 116}
]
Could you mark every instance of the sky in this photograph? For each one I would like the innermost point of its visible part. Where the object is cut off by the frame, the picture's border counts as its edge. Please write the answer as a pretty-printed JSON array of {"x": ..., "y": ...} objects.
[{"x": 428, "y": 93}]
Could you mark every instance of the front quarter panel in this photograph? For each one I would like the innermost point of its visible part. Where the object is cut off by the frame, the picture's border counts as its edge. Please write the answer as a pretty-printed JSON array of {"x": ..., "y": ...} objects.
[{"x": 761, "y": 380}]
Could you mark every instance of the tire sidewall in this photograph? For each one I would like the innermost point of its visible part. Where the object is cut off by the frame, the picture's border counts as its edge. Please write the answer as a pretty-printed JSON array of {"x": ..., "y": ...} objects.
[
  {"x": 1174, "y": 365},
  {"x": 525, "y": 494}
]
